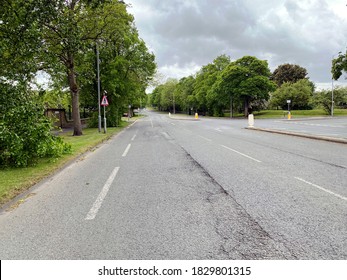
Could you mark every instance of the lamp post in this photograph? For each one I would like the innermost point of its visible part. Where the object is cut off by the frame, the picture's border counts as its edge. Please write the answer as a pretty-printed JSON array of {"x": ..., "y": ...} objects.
[
  {"x": 98, "y": 74},
  {"x": 332, "y": 97}
]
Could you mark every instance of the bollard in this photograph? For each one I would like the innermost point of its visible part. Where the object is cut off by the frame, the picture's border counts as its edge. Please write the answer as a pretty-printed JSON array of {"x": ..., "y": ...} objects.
[
  {"x": 289, "y": 115},
  {"x": 250, "y": 120},
  {"x": 169, "y": 115},
  {"x": 196, "y": 116}
]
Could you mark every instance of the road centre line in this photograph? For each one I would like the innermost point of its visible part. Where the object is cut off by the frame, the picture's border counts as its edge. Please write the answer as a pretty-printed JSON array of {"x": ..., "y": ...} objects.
[
  {"x": 321, "y": 188},
  {"x": 205, "y": 138},
  {"x": 98, "y": 202},
  {"x": 256, "y": 160},
  {"x": 132, "y": 139},
  {"x": 126, "y": 150}
]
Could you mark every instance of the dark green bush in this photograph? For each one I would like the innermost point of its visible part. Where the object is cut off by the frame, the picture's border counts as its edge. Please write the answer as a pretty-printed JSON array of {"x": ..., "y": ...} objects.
[{"x": 25, "y": 134}]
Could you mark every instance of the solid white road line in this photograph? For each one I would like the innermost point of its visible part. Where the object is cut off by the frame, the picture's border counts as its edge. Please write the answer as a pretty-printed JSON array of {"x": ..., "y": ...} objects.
[
  {"x": 256, "y": 160},
  {"x": 97, "y": 204},
  {"x": 321, "y": 188},
  {"x": 126, "y": 151}
]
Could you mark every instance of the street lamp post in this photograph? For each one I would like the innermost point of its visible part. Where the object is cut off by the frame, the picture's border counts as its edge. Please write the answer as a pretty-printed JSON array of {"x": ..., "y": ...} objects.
[
  {"x": 332, "y": 97},
  {"x": 98, "y": 73}
]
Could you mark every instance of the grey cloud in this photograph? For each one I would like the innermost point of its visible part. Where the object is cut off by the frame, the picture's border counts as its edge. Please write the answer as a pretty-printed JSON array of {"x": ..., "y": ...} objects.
[{"x": 182, "y": 33}]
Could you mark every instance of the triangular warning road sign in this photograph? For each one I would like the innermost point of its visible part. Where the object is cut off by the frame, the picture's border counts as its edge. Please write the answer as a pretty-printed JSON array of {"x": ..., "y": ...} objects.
[{"x": 104, "y": 101}]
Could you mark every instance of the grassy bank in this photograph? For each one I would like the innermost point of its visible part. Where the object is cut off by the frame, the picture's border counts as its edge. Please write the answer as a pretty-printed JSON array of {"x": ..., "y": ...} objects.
[{"x": 14, "y": 181}]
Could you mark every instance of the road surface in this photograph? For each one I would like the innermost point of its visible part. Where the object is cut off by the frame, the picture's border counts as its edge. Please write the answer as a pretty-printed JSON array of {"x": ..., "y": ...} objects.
[{"x": 180, "y": 189}]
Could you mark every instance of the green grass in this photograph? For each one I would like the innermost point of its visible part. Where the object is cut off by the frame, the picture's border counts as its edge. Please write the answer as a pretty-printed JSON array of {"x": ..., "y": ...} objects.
[
  {"x": 14, "y": 181},
  {"x": 298, "y": 113}
]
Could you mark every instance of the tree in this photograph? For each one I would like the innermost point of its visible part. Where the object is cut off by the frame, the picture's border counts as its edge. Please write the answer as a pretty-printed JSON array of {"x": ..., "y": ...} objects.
[
  {"x": 68, "y": 34},
  {"x": 19, "y": 39},
  {"x": 207, "y": 98},
  {"x": 126, "y": 68},
  {"x": 300, "y": 94},
  {"x": 288, "y": 73},
  {"x": 25, "y": 134},
  {"x": 184, "y": 96},
  {"x": 247, "y": 79},
  {"x": 339, "y": 65},
  {"x": 323, "y": 98}
]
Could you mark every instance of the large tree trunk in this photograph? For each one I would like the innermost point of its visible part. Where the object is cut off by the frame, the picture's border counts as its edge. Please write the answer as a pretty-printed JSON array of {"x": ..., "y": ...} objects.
[{"x": 75, "y": 99}]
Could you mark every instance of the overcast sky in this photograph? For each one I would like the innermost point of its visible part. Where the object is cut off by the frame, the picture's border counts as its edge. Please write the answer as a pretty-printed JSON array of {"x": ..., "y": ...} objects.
[{"x": 187, "y": 34}]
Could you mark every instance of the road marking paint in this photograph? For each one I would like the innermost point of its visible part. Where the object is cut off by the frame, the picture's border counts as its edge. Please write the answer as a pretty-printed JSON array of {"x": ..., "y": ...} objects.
[
  {"x": 126, "y": 150},
  {"x": 218, "y": 129},
  {"x": 132, "y": 139},
  {"x": 205, "y": 138},
  {"x": 98, "y": 202},
  {"x": 321, "y": 188},
  {"x": 151, "y": 122},
  {"x": 173, "y": 124},
  {"x": 241, "y": 153}
]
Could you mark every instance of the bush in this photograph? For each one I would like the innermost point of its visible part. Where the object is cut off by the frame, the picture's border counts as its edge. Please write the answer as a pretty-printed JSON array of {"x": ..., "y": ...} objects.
[
  {"x": 300, "y": 94},
  {"x": 323, "y": 98},
  {"x": 25, "y": 134}
]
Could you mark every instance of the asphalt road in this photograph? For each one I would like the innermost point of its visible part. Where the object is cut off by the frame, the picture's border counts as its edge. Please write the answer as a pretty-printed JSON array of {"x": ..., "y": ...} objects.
[
  {"x": 327, "y": 127},
  {"x": 181, "y": 189}
]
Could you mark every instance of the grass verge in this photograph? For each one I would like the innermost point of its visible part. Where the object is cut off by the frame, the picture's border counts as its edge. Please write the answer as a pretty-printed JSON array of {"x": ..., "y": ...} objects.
[
  {"x": 14, "y": 181},
  {"x": 298, "y": 113}
]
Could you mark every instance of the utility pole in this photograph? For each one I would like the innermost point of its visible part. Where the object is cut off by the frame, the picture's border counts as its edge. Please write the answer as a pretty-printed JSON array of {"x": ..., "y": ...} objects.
[
  {"x": 332, "y": 97},
  {"x": 98, "y": 75}
]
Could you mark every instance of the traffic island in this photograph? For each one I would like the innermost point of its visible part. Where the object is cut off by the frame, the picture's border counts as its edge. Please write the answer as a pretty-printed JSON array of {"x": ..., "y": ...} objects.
[{"x": 310, "y": 136}]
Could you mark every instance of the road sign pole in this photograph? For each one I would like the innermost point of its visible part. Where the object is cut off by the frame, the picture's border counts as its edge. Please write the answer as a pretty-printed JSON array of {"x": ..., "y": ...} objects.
[
  {"x": 104, "y": 103},
  {"x": 105, "y": 128}
]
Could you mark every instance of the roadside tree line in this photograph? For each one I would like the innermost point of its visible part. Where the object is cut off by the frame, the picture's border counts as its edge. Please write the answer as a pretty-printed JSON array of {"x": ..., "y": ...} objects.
[
  {"x": 243, "y": 85},
  {"x": 60, "y": 38}
]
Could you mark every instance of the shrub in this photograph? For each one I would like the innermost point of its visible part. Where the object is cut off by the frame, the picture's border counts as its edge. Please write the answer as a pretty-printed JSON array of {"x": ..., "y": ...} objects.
[
  {"x": 323, "y": 98},
  {"x": 300, "y": 94},
  {"x": 25, "y": 134}
]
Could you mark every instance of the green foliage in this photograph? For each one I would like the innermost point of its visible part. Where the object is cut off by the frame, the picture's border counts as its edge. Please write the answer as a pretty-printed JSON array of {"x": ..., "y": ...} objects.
[
  {"x": 24, "y": 132},
  {"x": 184, "y": 95},
  {"x": 288, "y": 73},
  {"x": 339, "y": 65},
  {"x": 60, "y": 37},
  {"x": 210, "y": 99},
  {"x": 300, "y": 94},
  {"x": 247, "y": 79},
  {"x": 323, "y": 98},
  {"x": 218, "y": 85},
  {"x": 163, "y": 96}
]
